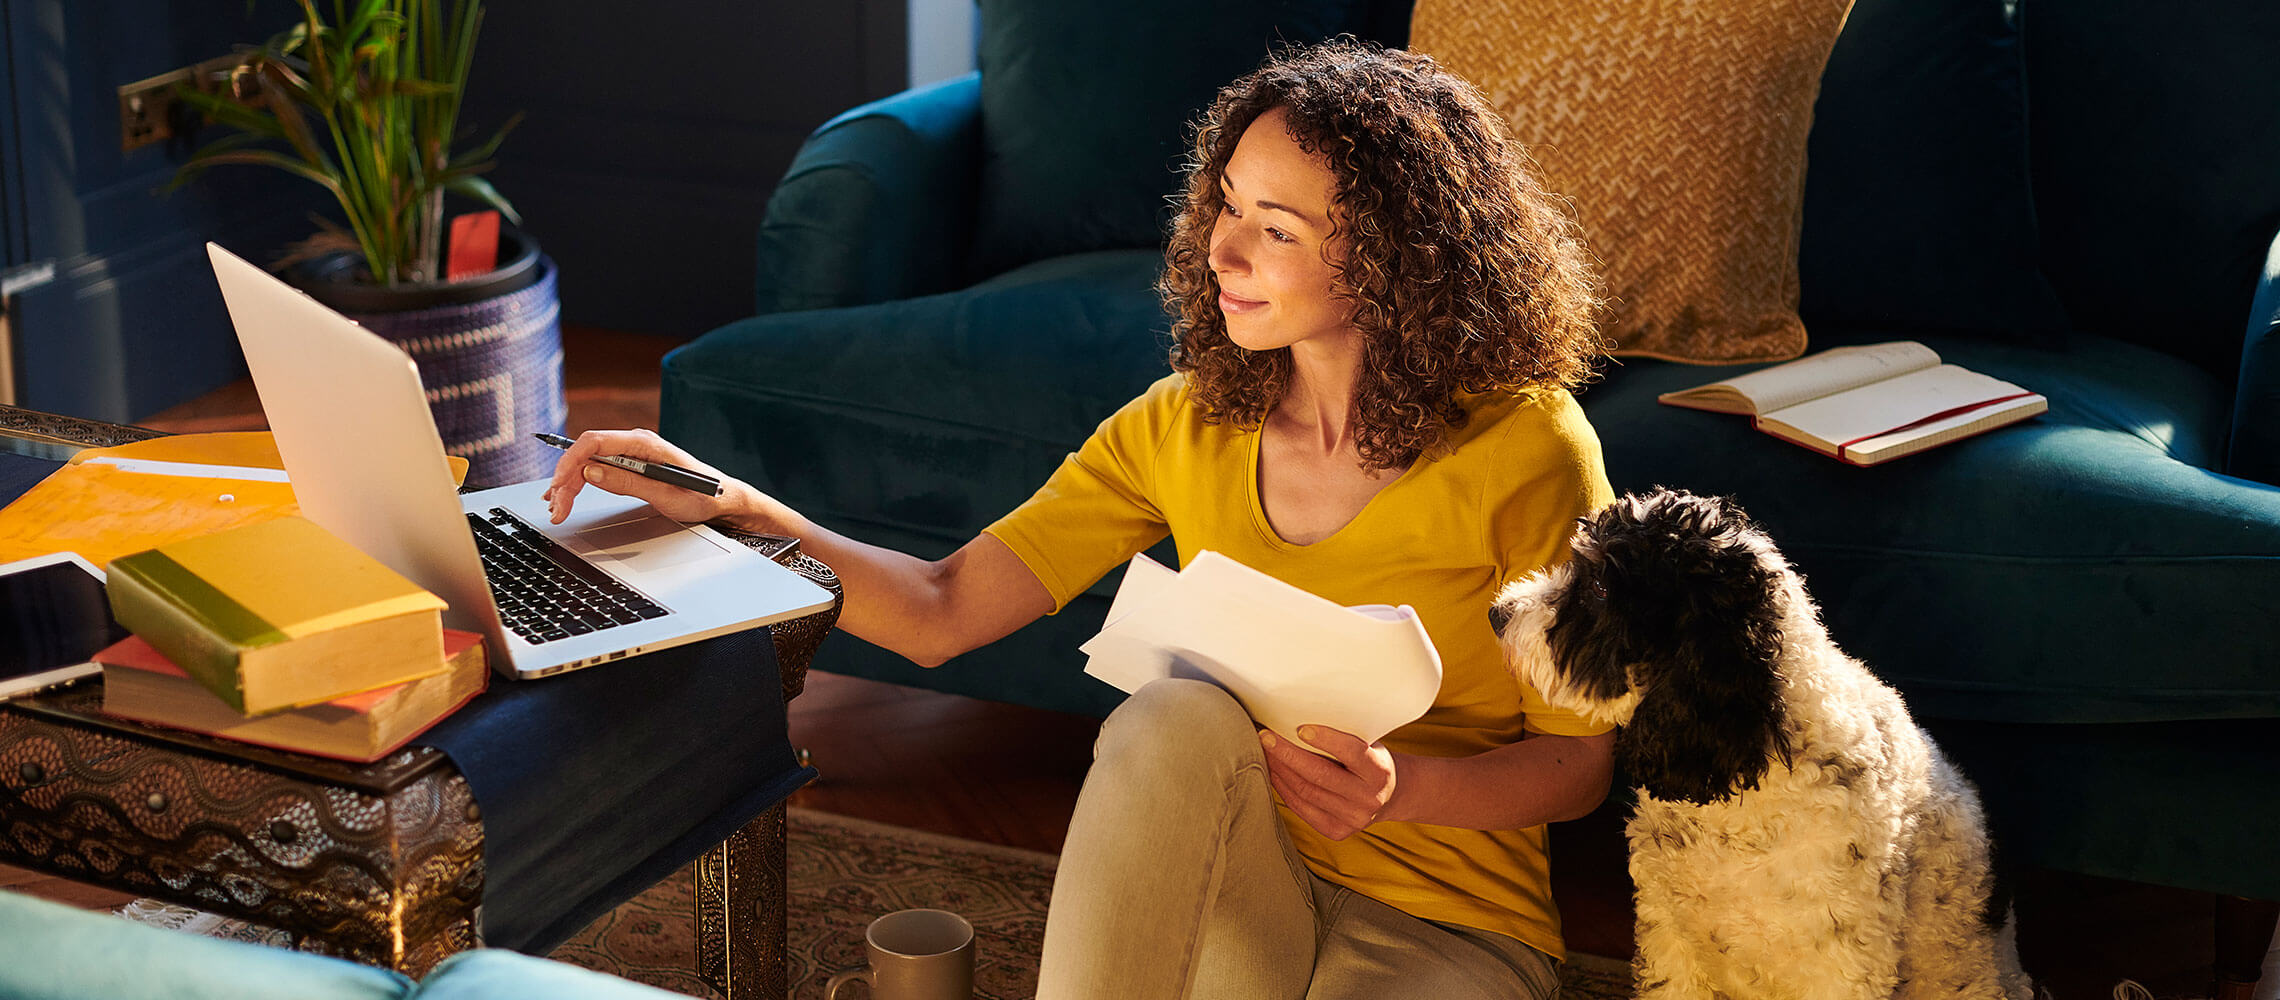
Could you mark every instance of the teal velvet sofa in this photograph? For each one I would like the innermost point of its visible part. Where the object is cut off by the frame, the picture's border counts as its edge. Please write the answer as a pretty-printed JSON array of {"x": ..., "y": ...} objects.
[
  {"x": 54, "y": 952},
  {"x": 2080, "y": 196}
]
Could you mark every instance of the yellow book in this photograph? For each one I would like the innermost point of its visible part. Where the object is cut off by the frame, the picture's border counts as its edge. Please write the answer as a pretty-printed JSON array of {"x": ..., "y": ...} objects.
[{"x": 278, "y": 614}]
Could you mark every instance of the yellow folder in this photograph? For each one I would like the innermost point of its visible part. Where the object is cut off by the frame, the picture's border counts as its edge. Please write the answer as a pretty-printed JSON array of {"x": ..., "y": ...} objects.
[{"x": 103, "y": 510}]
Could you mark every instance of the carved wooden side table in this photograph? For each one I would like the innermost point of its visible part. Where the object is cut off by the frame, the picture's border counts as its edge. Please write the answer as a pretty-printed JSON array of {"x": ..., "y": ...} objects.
[{"x": 379, "y": 863}]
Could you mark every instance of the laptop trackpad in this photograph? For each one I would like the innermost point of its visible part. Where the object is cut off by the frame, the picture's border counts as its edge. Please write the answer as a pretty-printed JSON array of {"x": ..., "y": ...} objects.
[{"x": 648, "y": 545}]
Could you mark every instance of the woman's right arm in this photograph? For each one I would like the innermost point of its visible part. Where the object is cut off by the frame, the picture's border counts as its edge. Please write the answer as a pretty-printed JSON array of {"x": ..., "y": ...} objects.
[{"x": 928, "y": 611}]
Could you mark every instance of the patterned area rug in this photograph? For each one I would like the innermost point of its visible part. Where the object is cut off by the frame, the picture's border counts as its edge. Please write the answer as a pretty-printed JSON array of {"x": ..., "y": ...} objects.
[{"x": 842, "y": 873}]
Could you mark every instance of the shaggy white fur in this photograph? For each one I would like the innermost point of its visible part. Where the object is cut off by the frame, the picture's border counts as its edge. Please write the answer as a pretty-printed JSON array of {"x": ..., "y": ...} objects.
[{"x": 1857, "y": 865}]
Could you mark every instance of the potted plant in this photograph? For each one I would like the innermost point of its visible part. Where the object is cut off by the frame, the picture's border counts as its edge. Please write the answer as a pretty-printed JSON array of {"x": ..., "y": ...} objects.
[{"x": 366, "y": 105}]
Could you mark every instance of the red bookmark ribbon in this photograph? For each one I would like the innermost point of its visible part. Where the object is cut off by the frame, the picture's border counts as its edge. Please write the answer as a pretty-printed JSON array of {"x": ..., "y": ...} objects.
[{"x": 1942, "y": 415}]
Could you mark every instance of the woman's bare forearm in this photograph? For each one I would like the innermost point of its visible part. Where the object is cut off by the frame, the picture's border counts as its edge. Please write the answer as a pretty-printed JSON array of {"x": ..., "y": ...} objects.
[
  {"x": 925, "y": 610},
  {"x": 1542, "y": 779}
]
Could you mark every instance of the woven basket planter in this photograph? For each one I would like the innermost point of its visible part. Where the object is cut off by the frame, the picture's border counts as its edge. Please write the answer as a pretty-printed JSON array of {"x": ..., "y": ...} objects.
[{"x": 489, "y": 352}]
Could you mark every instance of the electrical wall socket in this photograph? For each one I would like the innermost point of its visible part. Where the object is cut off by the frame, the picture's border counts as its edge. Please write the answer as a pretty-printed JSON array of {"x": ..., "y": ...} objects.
[{"x": 148, "y": 110}]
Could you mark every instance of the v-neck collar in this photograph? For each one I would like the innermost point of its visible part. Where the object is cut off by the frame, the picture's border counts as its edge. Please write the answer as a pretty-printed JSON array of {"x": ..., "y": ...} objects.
[{"x": 1257, "y": 500}]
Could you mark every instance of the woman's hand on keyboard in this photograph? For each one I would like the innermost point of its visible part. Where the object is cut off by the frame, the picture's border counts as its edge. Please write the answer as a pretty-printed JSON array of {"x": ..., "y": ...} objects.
[{"x": 576, "y": 468}]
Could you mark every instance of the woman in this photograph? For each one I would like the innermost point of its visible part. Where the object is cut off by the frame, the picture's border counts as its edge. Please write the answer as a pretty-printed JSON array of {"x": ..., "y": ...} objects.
[{"x": 1377, "y": 316}]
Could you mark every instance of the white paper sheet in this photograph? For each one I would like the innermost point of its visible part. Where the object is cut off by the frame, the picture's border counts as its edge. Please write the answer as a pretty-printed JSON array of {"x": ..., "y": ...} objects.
[
  {"x": 194, "y": 470},
  {"x": 1290, "y": 657}
]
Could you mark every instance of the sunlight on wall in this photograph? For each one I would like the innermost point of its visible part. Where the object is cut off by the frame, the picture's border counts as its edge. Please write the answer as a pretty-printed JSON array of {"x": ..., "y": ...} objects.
[{"x": 942, "y": 37}]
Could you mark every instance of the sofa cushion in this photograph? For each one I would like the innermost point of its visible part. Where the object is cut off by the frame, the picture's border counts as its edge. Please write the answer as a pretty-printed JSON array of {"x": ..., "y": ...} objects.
[
  {"x": 2157, "y": 184},
  {"x": 1677, "y": 129},
  {"x": 2050, "y": 553},
  {"x": 928, "y": 416},
  {"x": 53, "y": 952},
  {"x": 494, "y": 974},
  {"x": 913, "y": 424},
  {"x": 877, "y": 205},
  {"x": 1085, "y": 110},
  {"x": 1918, "y": 214}
]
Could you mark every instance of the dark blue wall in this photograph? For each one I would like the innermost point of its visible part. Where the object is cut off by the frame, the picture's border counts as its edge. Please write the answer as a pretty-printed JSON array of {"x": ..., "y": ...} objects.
[
  {"x": 133, "y": 323},
  {"x": 653, "y": 133},
  {"x": 11, "y": 212}
]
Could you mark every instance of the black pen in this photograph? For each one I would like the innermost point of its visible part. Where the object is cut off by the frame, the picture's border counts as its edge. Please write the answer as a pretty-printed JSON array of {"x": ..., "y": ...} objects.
[{"x": 670, "y": 475}]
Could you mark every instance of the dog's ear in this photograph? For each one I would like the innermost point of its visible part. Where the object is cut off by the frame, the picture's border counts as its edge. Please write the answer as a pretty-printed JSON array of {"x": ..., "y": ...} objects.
[{"x": 1710, "y": 719}]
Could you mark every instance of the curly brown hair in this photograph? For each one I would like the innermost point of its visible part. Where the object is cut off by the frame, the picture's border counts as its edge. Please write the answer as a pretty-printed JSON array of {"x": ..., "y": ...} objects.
[{"x": 1464, "y": 273}]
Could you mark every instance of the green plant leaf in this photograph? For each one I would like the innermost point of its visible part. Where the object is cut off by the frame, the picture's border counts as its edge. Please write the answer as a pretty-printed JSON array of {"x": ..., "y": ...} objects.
[
  {"x": 313, "y": 42},
  {"x": 289, "y": 40},
  {"x": 204, "y": 158},
  {"x": 366, "y": 103},
  {"x": 482, "y": 191},
  {"x": 490, "y": 146},
  {"x": 227, "y": 112},
  {"x": 368, "y": 17},
  {"x": 418, "y": 88},
  {"x": 267, "y": 158},
  {"x": 292, "y": 125}
]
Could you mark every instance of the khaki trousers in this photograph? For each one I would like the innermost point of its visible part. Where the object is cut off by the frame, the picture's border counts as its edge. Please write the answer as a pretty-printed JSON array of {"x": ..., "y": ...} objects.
[{"x": 1178, "y": 881}]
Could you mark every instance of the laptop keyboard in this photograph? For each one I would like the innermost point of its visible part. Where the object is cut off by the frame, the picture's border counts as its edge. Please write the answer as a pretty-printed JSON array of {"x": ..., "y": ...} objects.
[{"x": 546, "y": 592}]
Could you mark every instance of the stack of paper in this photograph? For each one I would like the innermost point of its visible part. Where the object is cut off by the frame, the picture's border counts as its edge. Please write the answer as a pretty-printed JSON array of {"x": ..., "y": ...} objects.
[{"x": 1292, "y": 658}]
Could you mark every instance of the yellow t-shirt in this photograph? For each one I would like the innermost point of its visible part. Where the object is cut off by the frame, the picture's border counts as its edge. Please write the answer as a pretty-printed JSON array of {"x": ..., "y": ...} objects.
[{"x": 1500, "y": 502}]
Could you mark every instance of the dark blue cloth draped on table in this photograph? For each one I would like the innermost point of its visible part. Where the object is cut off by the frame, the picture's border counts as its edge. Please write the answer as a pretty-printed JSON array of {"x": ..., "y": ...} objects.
[{"x": 597, "y": 783}]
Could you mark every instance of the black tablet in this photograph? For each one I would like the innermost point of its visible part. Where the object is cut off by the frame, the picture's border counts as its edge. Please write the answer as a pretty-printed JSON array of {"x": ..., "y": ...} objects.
[{"x": 53, "y": 618}]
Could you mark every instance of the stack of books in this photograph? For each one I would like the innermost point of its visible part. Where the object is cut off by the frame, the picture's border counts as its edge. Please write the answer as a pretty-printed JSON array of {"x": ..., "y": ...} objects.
[{"x": 281, "y": 634}]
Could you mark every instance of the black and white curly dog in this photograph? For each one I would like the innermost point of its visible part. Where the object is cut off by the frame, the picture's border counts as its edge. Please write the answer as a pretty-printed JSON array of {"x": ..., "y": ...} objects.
[{"x": 1796, "y": 835}]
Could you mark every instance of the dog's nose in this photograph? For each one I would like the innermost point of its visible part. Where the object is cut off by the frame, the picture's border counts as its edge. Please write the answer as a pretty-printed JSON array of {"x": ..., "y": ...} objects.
[{"x": 1497, "y": 616}]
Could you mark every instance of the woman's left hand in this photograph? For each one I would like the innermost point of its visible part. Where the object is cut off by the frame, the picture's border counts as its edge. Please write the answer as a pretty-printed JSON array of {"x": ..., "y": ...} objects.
[{"x": 1337, "y": 795}]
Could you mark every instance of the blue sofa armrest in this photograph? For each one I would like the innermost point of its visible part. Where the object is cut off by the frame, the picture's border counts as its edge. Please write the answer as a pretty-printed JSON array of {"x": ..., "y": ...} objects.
[
  {"x": 53, "y": 952},
  {"x": 2255, "y": 449},
  {"x": 498, "y": 974},
  {"x": 878, "y": 204}
]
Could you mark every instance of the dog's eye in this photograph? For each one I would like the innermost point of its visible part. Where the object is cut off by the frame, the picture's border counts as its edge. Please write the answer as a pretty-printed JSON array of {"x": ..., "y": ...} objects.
[{"x": 1598, "y": 591}]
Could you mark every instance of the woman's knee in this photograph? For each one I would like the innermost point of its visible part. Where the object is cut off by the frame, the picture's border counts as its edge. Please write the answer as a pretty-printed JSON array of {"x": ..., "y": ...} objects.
[{"x": 1178, "y": 717}]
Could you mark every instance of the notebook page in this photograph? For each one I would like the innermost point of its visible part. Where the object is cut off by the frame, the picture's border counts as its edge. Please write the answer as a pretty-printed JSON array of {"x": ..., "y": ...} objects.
[
  {"x": 1788, "y": 384},
  {"x": 1890, "y": 404}
]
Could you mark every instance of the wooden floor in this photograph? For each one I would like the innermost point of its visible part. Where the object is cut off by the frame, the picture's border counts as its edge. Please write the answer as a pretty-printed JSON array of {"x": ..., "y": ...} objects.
[{"x": 1009, "y": 775}]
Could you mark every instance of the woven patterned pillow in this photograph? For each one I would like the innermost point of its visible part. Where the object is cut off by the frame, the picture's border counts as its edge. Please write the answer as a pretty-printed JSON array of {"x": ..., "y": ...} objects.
[{"x": 1677, "y": 129}]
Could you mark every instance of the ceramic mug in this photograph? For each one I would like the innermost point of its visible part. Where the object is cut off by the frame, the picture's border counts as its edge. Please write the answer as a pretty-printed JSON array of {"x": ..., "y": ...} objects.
[{"x": 915, "y": 955}]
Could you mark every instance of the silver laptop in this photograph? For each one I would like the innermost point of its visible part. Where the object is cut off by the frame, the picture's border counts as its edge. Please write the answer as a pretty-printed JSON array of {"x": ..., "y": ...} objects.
[{"x": 361, "y": 449}]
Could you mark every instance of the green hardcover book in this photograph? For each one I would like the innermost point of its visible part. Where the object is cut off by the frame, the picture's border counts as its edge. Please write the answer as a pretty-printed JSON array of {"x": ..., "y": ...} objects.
[{"x": 279, "y": 614}]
